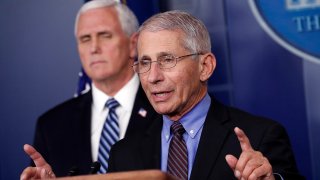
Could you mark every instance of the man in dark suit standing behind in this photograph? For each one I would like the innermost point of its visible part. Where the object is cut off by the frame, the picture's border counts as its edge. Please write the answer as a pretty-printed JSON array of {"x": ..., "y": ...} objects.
[
  {"x": 196, "y": 137},
  {"x": 68, "y": 135}
]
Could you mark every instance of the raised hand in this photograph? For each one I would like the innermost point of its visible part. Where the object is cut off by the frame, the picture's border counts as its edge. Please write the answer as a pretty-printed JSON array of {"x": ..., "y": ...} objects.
[
  {"x": 42, "y": 170},
  {"x": 251, "y": 164}
]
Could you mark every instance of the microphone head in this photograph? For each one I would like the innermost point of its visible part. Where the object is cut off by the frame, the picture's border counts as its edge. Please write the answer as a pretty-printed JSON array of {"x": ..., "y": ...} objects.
[{"x": 95, "y": 167}]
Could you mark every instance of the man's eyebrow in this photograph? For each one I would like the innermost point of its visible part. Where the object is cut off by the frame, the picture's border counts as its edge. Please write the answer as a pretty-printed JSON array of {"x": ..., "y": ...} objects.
[
  {"x": 145, "y": 57},
  {"x": 99, "y": 33},
  {"x": 104, "y": 32},
  {"x": 164, "y": 54},
  {"x": 158, "y": 55},
  {"x": 84, "y": 35}
]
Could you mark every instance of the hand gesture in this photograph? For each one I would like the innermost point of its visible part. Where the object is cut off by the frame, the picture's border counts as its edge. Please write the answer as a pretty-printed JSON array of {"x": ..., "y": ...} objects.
[
  {"x": 42, "y": 170},
  {"x": 251, "y": 164}
]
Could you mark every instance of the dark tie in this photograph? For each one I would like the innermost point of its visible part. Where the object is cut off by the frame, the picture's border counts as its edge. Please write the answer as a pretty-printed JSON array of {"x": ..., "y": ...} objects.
[
  {"x": 109, "y": 135},
  {"x": 178, "y": 153}
]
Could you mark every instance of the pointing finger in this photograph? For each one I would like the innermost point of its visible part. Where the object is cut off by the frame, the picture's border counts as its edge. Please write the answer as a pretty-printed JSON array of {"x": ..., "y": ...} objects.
[
  {"x": 37, "y": 158},
  {"x": 243, "y": 139}
]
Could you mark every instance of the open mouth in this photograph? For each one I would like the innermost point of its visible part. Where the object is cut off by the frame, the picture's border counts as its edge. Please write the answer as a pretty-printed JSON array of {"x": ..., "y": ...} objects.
[{"x": 161, "y": 96}]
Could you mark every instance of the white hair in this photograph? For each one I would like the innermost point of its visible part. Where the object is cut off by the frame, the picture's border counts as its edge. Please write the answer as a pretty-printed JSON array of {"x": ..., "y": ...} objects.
[
  {"x": 196, "y": 37},
  {"x": 129, "y": 22}
]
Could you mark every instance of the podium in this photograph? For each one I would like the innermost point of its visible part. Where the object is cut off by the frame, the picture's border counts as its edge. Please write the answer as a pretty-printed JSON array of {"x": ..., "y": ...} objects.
[{"x": 128, "y": 175}]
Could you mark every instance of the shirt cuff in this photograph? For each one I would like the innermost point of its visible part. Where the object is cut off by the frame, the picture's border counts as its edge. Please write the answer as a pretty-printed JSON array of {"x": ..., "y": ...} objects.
[{"x": 278, "y": 176}]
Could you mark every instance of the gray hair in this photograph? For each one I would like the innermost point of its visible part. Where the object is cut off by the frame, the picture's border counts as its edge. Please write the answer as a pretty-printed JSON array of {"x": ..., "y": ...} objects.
[
  {"x": 128, "y": 20},
  {"x": 196, "y": 37}
]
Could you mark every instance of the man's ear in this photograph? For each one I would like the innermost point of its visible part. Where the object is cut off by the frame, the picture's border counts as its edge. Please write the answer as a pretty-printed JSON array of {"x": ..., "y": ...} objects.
[
  {"x": 207, "y": 66},
  {"x": 133, "y": 45}
]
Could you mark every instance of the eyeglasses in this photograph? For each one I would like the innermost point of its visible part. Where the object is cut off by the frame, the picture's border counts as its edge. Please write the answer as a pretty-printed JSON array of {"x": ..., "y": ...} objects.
[{"x": 164, "y": 62}]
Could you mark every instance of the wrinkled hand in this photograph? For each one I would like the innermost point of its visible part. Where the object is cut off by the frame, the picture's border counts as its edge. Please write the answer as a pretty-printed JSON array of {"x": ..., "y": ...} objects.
[
  {"x": 251, "y": 164},
  {"x": 42, "y": 170}
]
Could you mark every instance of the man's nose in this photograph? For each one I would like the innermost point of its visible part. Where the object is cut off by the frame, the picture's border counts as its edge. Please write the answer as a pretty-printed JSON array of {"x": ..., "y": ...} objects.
[
  {"x": 95, "y": 46},
  {"x": 155, "y": 74}
]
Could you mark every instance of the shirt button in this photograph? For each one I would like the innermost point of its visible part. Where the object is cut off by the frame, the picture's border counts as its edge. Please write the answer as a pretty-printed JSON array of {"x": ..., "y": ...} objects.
[{"x": 191, "y": 131}]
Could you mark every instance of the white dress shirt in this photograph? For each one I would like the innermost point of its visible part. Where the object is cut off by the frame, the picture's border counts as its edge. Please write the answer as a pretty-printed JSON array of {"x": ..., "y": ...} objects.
[{"x": 125, "y": 98}]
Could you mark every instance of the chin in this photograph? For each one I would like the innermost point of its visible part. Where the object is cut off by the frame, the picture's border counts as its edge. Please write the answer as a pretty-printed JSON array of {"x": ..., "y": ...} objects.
[{"x": 162, "y": 110}]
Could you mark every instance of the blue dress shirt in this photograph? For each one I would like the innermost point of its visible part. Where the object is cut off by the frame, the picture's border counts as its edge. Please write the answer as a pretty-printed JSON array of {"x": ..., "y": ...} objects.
[{"x": 193, "y": 123}]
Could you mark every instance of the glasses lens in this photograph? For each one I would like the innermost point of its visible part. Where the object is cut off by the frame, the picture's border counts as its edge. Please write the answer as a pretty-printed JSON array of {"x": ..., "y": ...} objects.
[
  {"x": 167, "y": 61},
  {"x": 142, "y": 66}
]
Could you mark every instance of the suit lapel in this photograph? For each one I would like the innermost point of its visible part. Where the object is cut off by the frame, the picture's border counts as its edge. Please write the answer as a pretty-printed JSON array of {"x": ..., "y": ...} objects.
[
  {"x": 142, "y": 114},
  {"x": 150, "y": 145},
  {"x": 212, "y": 139},
  {"x": 83, "y": 139}
]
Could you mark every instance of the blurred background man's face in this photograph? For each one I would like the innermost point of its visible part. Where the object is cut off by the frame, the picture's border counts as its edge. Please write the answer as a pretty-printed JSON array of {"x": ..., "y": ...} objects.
[{"x": 103, "y": 46}]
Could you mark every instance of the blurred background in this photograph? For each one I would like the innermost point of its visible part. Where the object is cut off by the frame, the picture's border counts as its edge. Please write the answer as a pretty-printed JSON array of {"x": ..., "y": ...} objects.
[{"x": 263, "y": 66}]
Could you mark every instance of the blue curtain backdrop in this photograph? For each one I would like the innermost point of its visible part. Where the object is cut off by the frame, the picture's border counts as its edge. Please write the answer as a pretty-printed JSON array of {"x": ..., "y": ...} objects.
[{"x": 39, "y": 66}]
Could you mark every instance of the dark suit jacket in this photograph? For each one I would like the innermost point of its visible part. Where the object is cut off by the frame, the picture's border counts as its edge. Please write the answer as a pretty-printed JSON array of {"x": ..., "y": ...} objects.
[
  {"x": 63, "y": 134},
  {"x": 217, "y": 140}
]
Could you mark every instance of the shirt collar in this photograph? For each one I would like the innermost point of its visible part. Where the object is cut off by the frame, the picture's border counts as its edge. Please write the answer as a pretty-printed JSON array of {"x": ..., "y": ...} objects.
[
  {"x": 192, "y": 121},
  {"x": 127, "y": 93},
  {"x": 125, "y": 96}
]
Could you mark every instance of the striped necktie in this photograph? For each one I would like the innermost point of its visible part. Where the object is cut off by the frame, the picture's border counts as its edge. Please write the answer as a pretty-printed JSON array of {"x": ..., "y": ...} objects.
[
  {"x": 109, "y": 135},
  {"x": 178, "y": 153}
]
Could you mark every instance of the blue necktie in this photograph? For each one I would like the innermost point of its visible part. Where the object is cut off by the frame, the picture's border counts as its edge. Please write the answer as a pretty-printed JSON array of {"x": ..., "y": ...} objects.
[{"x": 109, "y": 135}]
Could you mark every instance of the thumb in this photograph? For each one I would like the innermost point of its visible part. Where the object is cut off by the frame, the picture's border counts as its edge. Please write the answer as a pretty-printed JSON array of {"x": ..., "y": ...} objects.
[{"x": 232, "y": 161}]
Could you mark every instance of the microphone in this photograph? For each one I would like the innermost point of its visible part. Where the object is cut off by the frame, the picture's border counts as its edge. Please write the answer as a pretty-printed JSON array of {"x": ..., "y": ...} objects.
[
  {"x": 95, "y": 167},
  {"x": 73, "y": 171}
]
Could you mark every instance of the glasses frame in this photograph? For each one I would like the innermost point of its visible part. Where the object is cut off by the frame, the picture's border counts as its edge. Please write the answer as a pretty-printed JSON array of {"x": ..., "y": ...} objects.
[{"x": 135, "y": 64}]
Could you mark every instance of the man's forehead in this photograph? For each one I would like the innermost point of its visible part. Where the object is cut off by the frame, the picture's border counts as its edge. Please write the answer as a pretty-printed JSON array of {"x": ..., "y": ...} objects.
[
  {"x": 158, "y": 43},
  {"x": 168, "y": 32},
  {"x": 92, "y": 21}
]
